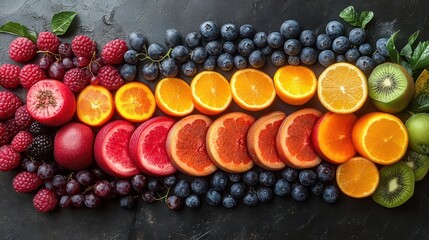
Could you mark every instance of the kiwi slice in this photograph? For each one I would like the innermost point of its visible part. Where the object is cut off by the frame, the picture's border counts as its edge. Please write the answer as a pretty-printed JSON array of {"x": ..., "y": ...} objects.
[
  {"x": 390, "y": 87},
  {"x": 396, "y": 185},
  {"x": 418, "y": 162}
]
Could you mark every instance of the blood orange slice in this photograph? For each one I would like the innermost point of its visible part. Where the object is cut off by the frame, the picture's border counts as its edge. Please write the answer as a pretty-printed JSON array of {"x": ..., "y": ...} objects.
[
  {"x": 186, "y": 146},
  {"x": 261, "y": 141},
  {"x": 293, "y": 141},
  {"x": 226, "y": 142},
  {"x": 147, "y": 146}
]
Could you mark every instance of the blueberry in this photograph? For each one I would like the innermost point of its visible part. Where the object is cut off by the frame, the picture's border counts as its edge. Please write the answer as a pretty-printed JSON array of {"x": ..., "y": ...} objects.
[
  {"x": 293, "y": 60},
  {"x": 128, "y": 72},
  {"x": 192, "y": 201},
  {"x": 130, "y": 56},
  {"x": 334, "y": 29},
  {"x": 180, "y": 54},
  {"x": 290, "y": 174},
  {"x": 234, "y": 177},
  {"x": 381, "y": 45},
  {"x": 199, "y": 185},
  {"x": 265, "y": 194},
  {"x": 365, "y": 49},
  {"x": 290, "y": 29},
  {"x": 307, "y": 38},
  {"x": 340, "y": 58},
  {"x": 366, "y": 64},
  {"x": 172, "y": 37},
  {"x": 225, "y": 61},
  {"x": 219, "y": 181},
  {"x": 189, "y": 68},
  {"x": 170, "y": 180},
  {"x": 214, "y": 48},
  {"x": 325, "y": 172},
  {"x": 292, "y": 47},
  {"x": 245, "y": 47},
  {"x": 323, "y": 42},
  {"x": 193, "y": 40},
  {"x": 156, "y": 51},
  {"x": 340, "y": 45},
  {"x": 182, "y": 188},
  {"x": 250, "y": 199},
  {"x": 317, "y": 189},
  {"x": 281, "y": 188},
  {"x": 308, "y": 56},
  {"x": 199, "y": 55},
  {"x": 247, "y": 31},
  {"x": 213, "y": 197},
  {"x": 153, "y": 184},
  {"x": 267, "y": 179},
  {"x": 229, "y": 47},
  {"x": 260, "y": 39},
  {"x": 209, "y": 30},
  {"x": 240, "y": 62},
  {"x": 307, "y": 177},
  {"x": 275, "y": 40},
  {"x": 150, "y": 71},
  {"x": 229, "y": 32},
  {"x": 326, "y": 58},
  {"x": 378, "y": 58},
  {"x": 352, "y": 55},
  {"x": 169, "y": 68},
  {"x": 299, "y": 193},
  {"x": 257, "y": 59},
  {"x": 357, "y": 36},
  {"x": 250, "y": 178},
  {"x": 237, "y": 190},
  {"x": 278, "y": 58},
  {"x": 210, "y": 63},
  {"x": 138, "y": 42},
  {"x": 229, "y": 201},
  {"x": 267, "y": 50},
  {"x": 331, "y": 194}
]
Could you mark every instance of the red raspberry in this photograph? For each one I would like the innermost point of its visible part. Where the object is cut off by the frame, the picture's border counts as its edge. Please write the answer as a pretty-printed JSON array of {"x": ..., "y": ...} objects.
[
  {"x": 9, "y": 158},
  {"x": 12, "y": 128},
  {"x": 31, "y": 74},
  {"x": 26, "y": 182},
  {"x": 45, "y": 200},
  {"x": 113, "y": 52},
  {"x": 9, "y": 103},
  {"x": 22, "y": 118},
  {"x": 76, "y": 79},
  {"x": 9, "y": 76},
  {"x": 22, "y": 49},
  {"x": 4, "y": 137},
  {"x": 21, "y": 141},
  {"x": 48, "y": 41},
  {"x": 83, "y": 46},
  {"x": 110, "y": 78}
]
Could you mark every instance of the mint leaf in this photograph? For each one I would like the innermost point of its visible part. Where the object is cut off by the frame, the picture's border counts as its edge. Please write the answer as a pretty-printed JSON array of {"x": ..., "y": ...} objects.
[
  {"x": 350, "y": 16},
  {"x": 407, "y": 50},
  {"x": 365, "y": 18},
  {"x": 391, "y": 49},
  {"x": 420, "y": 103},
  {"x": 420, "y": 58},
  {"x": 61, "y": 22},
  {"x": 19, "y": 30},
  {"x": 413, "y": 37}
]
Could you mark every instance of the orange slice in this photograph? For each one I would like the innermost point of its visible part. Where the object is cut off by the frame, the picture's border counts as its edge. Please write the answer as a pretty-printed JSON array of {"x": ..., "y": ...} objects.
[
  {"x": 252, "y": 89},
  {"x": 210, "y": 92},
  {"x": 174, "y": 97},
  {"x": 135, "y": 102},
  {"x": 342, "y": 88},
  {"x": 380, "y": 137},
  {"x": 358, "y": 177},
  {"x": 95, "y": 105},
  {"x": 295, "y": 85}
]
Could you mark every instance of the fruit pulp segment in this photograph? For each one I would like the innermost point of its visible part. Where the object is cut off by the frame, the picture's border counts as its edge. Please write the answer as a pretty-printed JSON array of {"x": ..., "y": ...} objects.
[
  {"x": 298, "y": 140},
  {"x": 94, "y": 105},
  {"x": 135, "y": 101},
  {"x": 213, "y": 91},
  {"x": 267, "y": 142},
  {"x": 153, "y": 143},
  {"x": 297, "y": 81},
  {"x": 46, "y": 100},
  {"x": 358, "y": 177},
  {"x": 254, "y": 89},
  {"x": 117, "y": 147},
  {"x": 176, "y": 95}
]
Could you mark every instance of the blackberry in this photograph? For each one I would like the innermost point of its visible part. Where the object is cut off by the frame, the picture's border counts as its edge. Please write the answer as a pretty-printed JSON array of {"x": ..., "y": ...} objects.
[
  {"x": 42, "y": 147},
  {"x": 37, "y": 128}
]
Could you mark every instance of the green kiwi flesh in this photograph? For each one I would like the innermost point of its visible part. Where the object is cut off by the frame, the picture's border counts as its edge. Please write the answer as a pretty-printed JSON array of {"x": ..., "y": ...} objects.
[{"x": 418, "y": 162}]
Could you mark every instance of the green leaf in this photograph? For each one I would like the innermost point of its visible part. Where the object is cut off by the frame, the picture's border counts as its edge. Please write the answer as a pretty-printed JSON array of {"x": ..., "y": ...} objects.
[
  {"x": 365, "y": 18},
  {"x": 18, "y": 29},
  {"x": 392, "y": 50},
  {"x": 350, "y": 16},
  {"x": 413, "y": 37},
  {"x": 407, "y": 51},
  {"x": 420, "y": 103},
  {"x": 420, "y": 58},
  {"x": 61, "y": 22}
]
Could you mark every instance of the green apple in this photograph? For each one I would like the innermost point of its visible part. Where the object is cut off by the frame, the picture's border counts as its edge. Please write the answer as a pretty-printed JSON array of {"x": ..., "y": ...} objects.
[{"x": 418, "y": 132}]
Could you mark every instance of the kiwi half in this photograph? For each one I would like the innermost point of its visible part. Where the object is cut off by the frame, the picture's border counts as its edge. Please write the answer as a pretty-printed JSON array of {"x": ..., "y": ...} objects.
[
  {"x": 390, "y": 87},
  {"x": 396, "y": 185},
  {"x": 418, "y": 162}
]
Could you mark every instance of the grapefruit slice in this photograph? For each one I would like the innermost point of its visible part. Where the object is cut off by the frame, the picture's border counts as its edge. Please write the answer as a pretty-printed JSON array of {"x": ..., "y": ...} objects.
[
  {"x": 293, "y": 140},
  {"x": 147, "y": 146},
  {"x": 261, "y": 141},
  {"x": 111, "y": 149},
  {"x": 226, "y": 142},
  {"x": 186, "y": 146}
]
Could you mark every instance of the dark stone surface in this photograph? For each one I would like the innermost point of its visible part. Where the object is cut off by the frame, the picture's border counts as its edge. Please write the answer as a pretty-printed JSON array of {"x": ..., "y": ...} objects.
[{"x": 281, "y": 219}]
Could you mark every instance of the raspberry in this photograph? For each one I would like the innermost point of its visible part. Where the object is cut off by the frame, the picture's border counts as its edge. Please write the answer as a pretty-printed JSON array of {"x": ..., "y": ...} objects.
[
  {"x": 113, "y": 52},
  {"x": 26, "y": 182},
  {"x": 22, "y": 49},
  {"x": 9, "y": 76},
  {"x": 4, "y": 137},
  {"x": 22, "y": 118},
  {"x": 9, "y": 103},
  {"x": 31, "y": 74},
  {"x": 21, "y": 141},
  {"x": 76, "y": 79},
  {"x": 48, "y": 41},
  {"x": 12, "y": 128},
  {"x": 83, "y": 46},
  {"x": 110, "y": 78},
  {"x": 45, "y": 200},
  {"x": 9, "y": 158}
]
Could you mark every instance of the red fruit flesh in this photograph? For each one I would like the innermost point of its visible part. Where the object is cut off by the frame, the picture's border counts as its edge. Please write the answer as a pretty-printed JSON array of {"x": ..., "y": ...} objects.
[
  {"x": 51, "y": 102},
  {"x": 148, "y": 146},
  {"x": 293, "y": 140},
  {"x": 111, "y": 149}
]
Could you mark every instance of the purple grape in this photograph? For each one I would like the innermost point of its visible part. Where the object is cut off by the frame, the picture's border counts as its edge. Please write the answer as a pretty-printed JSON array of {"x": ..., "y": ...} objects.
[
  {"x": 84, "y": 177},
  {"x": 45, "y": 171},
  {"x": 174, "y": 202},
  {"x": 92, "y": 200},
  {"x": 65, "y": 201},
  {"x": 77, "y": 200},
  {"x": 56, "y": 71},
  {"x": 32, "y": 166},
  {"x": 59, "y": 181},
  {"x": 45, "y": 62},
  {"x": 49, "y": 185},
  {"x": 138, "y": 182},
  {"x": 148, "y": 197},
  {"x": 64, "y": 49},
  {"x": 102, "y": 188},
  {"x": 67, "y": 63},
  {"x": 98, "y": 173},
  {"x": 123, "y": 187},
  {"x": 73, "y": 187}
]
